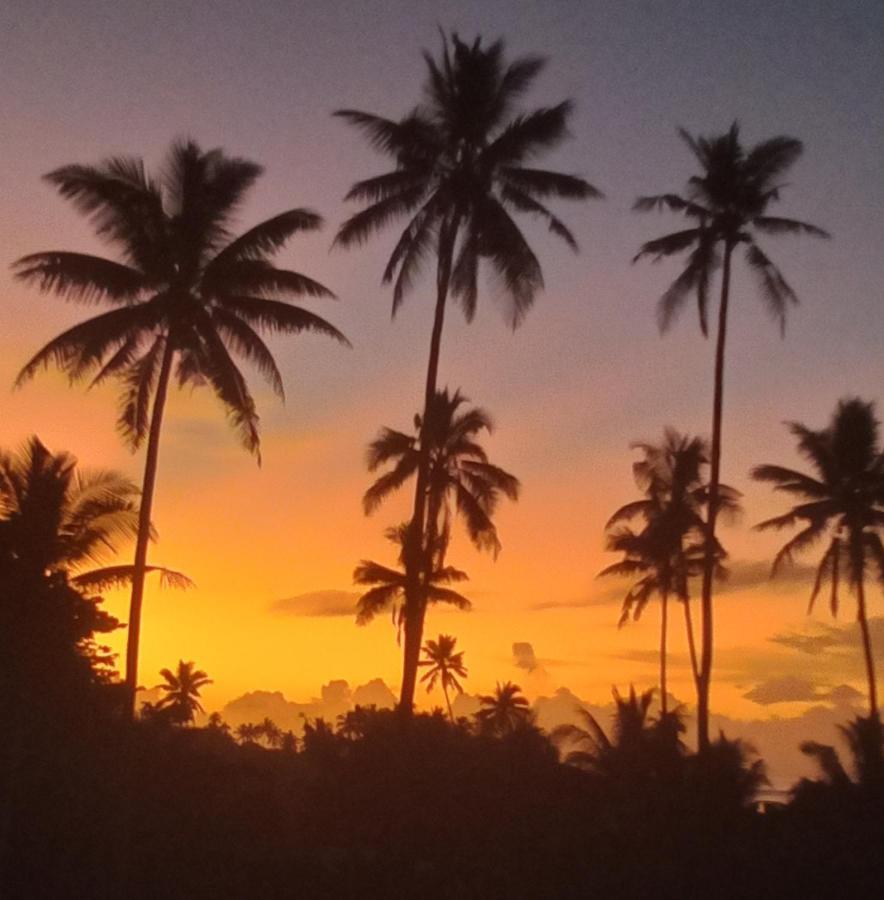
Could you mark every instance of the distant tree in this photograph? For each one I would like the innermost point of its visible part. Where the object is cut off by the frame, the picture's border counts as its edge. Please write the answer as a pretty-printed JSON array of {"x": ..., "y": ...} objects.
[
  {"x": 271, "y": 732},
  {"x": 184, "y": 297},
  {"x": 459, "y": 176},
  {"x": 216, "y": 723},
  {"x": 460, "y": 478},
  {"x": 504, "y": 711},
  {"x": 669, "y": 548},
  {"x": 444, "y": 666},
  {"x": 248, "y": 733},
  {"x": 181, "y": 690},
  {"x": 842, "y": 502},
  {"x": 727, "y": 206},
  {"x": 386, "y": 586}
]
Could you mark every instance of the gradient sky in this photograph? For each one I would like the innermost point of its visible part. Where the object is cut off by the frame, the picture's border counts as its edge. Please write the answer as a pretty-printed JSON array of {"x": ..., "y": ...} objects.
[{"x": 586, "y": 374}]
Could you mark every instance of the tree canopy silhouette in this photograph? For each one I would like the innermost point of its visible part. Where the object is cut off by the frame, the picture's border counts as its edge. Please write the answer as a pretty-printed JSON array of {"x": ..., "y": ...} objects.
[
  {"x": 443, "y": 665},
  {"x": 181, "y": 691}
]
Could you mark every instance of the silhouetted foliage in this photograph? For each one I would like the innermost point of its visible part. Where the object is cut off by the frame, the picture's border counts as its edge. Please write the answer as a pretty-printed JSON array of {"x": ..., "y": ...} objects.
[
  {"x": 181, "y": 690},
  {"x": 443, "y": 665},
  {"x": 504, "y": 711}
]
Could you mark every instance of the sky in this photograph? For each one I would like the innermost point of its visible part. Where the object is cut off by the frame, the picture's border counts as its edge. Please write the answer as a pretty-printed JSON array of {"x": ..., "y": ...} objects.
[{"x": 272, "y": 549}]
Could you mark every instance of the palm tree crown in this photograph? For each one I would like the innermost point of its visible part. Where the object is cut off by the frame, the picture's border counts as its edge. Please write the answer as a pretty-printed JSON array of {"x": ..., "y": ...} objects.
[
  {"x": 727, "y": 202},
  {"x": 504, "y": 711},
  {"x": 843, "y": 501},
  {"x": 443, "y": 665},
  {"x": 386, "y": 586},
  {"x": 460, "y": 173},
  {"x": 182, "y": 690},
  {"x": 459, "y": 471}
]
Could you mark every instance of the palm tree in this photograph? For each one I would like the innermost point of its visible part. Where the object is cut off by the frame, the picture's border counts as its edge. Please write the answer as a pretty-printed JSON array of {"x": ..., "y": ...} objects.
[
  {"x": 444, "y": 666},
  {"x": 459, "y": 175},
  {"x": 669, "y": 549},
  {"x": 182, "y": 690},
  {"x": 184, "y": 297},
  {"x": 844, "y": 502},
  {"x": 504, "y": 711},
  {"x": 55, "y": 517},
  {"x": 387, "y": 587},
  {"x": 459, "y": 478},
  {"x": 727, "y": 204}
]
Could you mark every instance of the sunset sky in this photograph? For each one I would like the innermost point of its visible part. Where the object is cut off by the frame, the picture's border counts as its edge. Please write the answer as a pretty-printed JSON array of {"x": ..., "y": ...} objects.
[{"x": 584, "y": 376}]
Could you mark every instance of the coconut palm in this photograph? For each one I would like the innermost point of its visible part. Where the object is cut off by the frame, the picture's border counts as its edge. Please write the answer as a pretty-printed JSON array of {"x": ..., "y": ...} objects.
[
  {"x": 181, "y": 690},
  {"x": 727, "y": 205},
  {"x": 842, "y": 502},
  {"x": 504, "y": 711},
  {"x": 444, "y": 666},
  {"x": 56, "y": 517},
  {"x": 669, "y": 549},
  {"x": 460, "y": 173},
  {"x": 185, "y": 297},
  {"x": 387, "y": 587}
]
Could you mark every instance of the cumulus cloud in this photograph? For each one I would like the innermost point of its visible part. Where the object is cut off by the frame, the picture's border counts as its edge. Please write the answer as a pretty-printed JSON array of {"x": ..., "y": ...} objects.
[{"x": 317, "y": 603}]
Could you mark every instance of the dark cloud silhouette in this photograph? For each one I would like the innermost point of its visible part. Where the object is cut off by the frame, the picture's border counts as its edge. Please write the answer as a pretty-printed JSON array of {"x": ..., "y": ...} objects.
[
  {"x": 317, "y": 603},
  {"x": 524, "y": 656},
  {"x": 788, "y": 689},
  {"x": 821, "y": 637}
]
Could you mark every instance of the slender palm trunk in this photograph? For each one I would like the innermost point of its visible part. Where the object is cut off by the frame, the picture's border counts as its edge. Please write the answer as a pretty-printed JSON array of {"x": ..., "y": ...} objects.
[
  {"x": 664, "y": 603},
  {"x": 867, "y": 647},
  {"x": 448, "y": 702},
  {"x": 689, "y": 630},
  {"x": 143, "y": 538},
  {"x": 705, "y": 675},
  {"x": 415, "y": 602}
]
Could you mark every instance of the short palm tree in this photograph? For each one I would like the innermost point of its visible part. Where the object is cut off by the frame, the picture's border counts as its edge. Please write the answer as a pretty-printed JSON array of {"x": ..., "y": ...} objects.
[
  {"x": 459, "y": 175},
  {"x": 727, "y": 206},
  {"x": 443, "y": 665},
  {"x": 669, "y": 548},
  {"x": 181, "y": 690},
  {"x": 55, "y": 517},
  {"x": 387, "y": 587},
  {"x": 504, "y": 711},
  {"x": 185, "y": 298},
  {"x": 460, "y": 478},
  {"x": 843, "y": 502}
]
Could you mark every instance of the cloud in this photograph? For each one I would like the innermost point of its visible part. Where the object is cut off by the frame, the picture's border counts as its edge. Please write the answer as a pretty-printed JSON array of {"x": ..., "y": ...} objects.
[
  {"x": 317, "y": 603},
  {"x": 524, "y": 656},
  {"x": 831, "y": 637},
  {"x": 788, "y": 689}
]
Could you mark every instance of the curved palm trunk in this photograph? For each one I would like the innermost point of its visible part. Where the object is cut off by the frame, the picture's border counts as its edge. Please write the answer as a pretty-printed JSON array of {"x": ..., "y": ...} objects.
[
  {"x": 415, "y": 602},
  {"x": 705, "y": 674},
  {"x": 867, "y": 647},
  {"x": 664, "y": 602},
  {"x": 448, "y": 702},
  {"x": 689, "y": 629},
  {"x": 143, "y": 538}
]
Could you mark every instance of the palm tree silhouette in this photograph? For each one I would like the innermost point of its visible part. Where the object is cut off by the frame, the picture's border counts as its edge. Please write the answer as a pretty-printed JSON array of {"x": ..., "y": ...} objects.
[
  {"x": 504, "y": 711},
  {"x": 728, "y": 205},
  {"x": 185, "y": 296},
  {"x": 460, "y": 477},
  {"x": 182, "y": 690},
  {"x": 669, "y": 548},
  {"x": 387, "y": 587},
  {"x": 459, "y": 175},
  {"x": 843, "y": 501},
  {"x": 55, "y": 517},
  {"x": 444, "y": 666}
]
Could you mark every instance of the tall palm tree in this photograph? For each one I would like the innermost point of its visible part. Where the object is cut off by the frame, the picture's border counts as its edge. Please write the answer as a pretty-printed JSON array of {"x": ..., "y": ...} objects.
[
  {"x": 181, "y": 690},
  {"x": 727, "y": 206},
  {"x": 387, "y": 587},
  {"x": 444, "y": 666},
  {"x": 56, "y": 517},
  {"x": 185, "y": 297},
  {"x": 460, "y": 173},
  {"x": 504, "y": 711},
  {"x": 842, "y": 501},
  {"x": 669, "y": 549}
]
